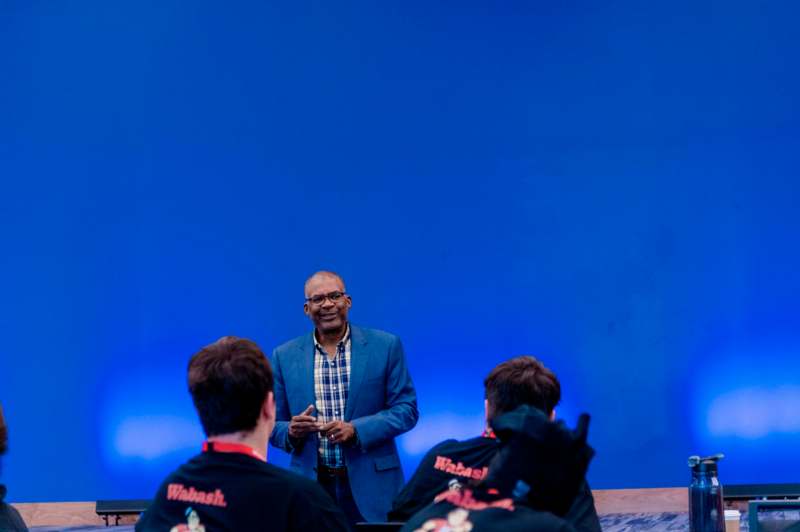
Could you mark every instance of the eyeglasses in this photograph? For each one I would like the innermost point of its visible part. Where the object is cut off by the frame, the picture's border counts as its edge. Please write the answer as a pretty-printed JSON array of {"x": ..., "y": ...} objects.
[{"x": 334, "y": 297}]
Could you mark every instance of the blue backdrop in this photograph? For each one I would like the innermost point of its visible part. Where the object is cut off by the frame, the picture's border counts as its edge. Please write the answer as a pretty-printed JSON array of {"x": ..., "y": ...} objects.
[{"x": 611, "y": 187}]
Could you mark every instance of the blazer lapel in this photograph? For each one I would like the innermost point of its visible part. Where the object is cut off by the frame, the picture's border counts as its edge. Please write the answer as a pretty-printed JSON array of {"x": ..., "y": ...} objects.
[
  {"x": 359, "y": 357},
  {"x": 305, "y": 376}
]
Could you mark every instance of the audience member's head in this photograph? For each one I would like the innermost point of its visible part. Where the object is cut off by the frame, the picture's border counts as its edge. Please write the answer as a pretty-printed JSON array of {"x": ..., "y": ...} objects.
[
  {"x": 229, "y": 486},
  {"x": 231, "y": 386},
  {"x": 544, "y": 456},
  {"x": 520, "y": 381}
]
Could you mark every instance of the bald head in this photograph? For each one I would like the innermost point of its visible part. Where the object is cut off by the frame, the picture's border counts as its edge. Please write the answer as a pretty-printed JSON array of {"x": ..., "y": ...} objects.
[{"x": 323, "y": 275}]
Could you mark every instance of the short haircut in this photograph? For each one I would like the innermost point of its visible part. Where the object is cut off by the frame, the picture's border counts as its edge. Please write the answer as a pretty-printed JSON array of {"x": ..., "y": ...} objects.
[
  {"x": 521, "y": 381},
  {"x": 229, "y": 381},
  {"x": 322, "y": 273}
]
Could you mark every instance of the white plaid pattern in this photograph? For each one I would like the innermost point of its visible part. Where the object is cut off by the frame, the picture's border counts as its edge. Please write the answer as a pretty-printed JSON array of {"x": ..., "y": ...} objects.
[{"x": 331, "y": 387}]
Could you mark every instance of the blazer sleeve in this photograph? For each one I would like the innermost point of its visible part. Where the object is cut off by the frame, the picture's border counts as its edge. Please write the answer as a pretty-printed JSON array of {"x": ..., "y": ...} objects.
[
  {"x": 280, "y": 434},
  {"x": 400, "y": 414}
]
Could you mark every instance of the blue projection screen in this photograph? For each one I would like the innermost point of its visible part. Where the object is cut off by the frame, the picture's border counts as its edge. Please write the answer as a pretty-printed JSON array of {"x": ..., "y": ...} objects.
[{"x": 611, "y": 187}]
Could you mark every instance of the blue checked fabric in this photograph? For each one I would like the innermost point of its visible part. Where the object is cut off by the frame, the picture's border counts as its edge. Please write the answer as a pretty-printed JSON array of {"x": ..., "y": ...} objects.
[{"x": 331, "y": 387}]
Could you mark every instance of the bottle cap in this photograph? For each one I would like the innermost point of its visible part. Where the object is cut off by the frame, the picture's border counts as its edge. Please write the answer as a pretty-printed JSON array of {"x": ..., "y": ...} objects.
[{"x": 707, "y": 464}]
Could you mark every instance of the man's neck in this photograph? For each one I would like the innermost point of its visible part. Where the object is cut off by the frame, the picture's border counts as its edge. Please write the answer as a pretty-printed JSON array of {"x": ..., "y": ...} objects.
[
  {"x": 331, "y": 338},
  {"x": 256, "y": 439}
]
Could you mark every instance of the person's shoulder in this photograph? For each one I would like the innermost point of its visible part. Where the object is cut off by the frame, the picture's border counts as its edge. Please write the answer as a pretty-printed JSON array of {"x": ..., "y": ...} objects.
[
  {"x": 431, "y": 453},
  {"x": 471, "y": 443},
  {"x": 10, "y": 518},
  {"x": 294, "y": 344},
  {"x": 185, "y": 467},
  {"x": 295, "y": 485},
  {"x": 183, "y": 472},
  {"x": 374, "y": 335},
  {"x": 179, "y": 477},
  {"x": 308, "y": 505},
  {"x": 474, "y": 452},
  {"x": 273, "y": 472},
  {"x": 480, "y": 441},
  {"x": 258, "y": 475},
  {"x": 446, "y": 443}
]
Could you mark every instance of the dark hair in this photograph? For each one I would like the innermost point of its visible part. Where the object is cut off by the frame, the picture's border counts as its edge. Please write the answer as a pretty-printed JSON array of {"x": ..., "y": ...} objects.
[
  {"x": 3, "y": 432},
  {"x": 521, "y": 381},
  {"x": 229, "y": 381}
]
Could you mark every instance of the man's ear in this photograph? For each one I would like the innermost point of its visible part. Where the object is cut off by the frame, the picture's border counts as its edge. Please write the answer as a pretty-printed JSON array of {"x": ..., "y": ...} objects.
[
  {"x": 552, "y": 415},
  {"x": 268, "y": 409},
  {"x": 305, "y": 308}
]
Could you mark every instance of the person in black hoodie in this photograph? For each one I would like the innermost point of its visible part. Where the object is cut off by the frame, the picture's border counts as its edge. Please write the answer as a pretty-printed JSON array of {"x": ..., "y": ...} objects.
[
  {"x": 532, "y": 482},
  {"x": 10, "y": 520},
  {"x": 230, "y": 485},
  {"x": 523, "y": 380}
]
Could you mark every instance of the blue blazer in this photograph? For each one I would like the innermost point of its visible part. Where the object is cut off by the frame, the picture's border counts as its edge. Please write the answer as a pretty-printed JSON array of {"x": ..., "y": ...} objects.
[{"x": 381, "y": 404}]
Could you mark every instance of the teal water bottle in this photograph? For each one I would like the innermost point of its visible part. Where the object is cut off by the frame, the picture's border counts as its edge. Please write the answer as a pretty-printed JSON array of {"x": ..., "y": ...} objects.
[{"x": 705, "y": 496}]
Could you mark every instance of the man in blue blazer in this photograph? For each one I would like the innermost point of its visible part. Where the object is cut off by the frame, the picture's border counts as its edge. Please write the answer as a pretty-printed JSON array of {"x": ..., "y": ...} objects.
[{"x": 342, "y": 394}]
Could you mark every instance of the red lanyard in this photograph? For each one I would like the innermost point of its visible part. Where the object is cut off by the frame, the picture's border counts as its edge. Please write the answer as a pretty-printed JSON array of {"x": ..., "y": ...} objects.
[{"x": 225, "y": 447}]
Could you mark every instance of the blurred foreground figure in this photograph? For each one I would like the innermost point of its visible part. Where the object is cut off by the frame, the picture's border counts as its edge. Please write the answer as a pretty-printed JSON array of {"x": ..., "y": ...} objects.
[
  {"x": 455, "y": 464},
  {"x": 10, "y": 520},
  {"x": 230, "y": 485},
  {"x": 532, "y": 482}
]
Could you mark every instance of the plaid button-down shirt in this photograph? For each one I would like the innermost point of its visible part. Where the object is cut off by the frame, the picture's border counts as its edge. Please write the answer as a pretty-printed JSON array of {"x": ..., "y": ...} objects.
[{"x": 331, "y": 387}]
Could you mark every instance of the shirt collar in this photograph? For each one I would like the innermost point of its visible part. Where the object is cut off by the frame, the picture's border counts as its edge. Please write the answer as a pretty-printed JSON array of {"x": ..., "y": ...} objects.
[
  {"x": 345, "y": 339},
  {"x": 227, "y": 447}
]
